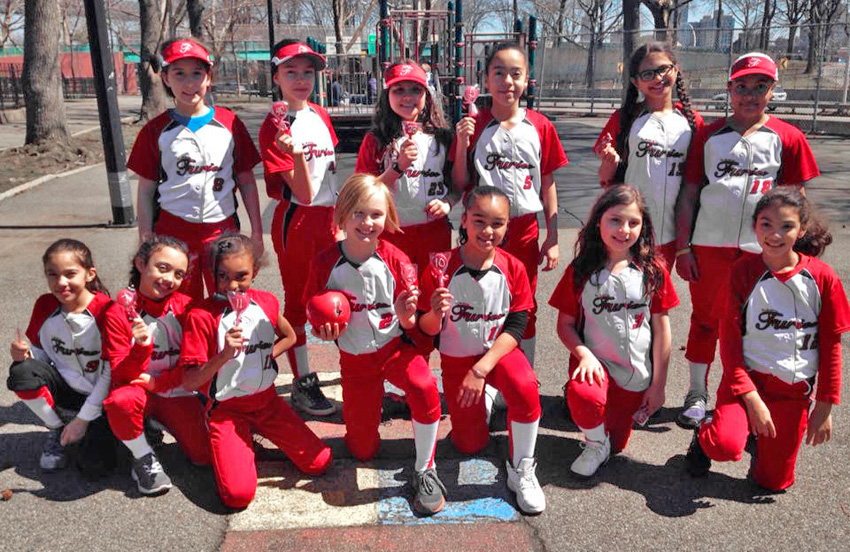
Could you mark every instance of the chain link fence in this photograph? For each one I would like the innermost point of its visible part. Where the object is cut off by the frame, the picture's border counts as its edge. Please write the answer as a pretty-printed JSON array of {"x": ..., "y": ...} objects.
[{"x": 578, "y": 76}]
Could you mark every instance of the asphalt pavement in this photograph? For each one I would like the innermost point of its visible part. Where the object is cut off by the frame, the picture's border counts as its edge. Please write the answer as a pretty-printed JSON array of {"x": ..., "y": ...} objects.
[{"x": 641, "y": 500}]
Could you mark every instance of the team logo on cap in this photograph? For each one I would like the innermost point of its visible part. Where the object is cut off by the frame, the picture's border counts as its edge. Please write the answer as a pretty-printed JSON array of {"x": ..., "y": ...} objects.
[
  {"x": 405, "y": 70},
  {"x": 302, "y": 49},
  {"x": 185, "y": 47},
  {"x": 753, "y": 62}
]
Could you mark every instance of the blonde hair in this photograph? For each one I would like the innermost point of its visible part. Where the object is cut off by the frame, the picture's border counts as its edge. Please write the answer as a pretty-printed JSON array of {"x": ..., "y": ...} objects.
[{"x": 358, "y": 188}]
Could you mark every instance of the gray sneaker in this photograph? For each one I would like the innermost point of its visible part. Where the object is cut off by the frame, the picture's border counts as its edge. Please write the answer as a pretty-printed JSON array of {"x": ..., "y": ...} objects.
[
  {"x": 307, "y": 396},
  {"x": 53, "y": 455},
  {"x": 430, "y": 492},
  {"x": 149, "y": 476},
  {"x": 693, "y": 411}
]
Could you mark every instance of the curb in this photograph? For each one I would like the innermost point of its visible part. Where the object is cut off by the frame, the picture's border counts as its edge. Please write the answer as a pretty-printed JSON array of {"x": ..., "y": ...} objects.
[{"x": 42, "y": 179}]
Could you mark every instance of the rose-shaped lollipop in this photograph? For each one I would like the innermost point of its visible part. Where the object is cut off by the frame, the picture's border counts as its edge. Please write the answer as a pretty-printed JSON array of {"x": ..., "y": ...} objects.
[
  {"x": 470, "y": 94},
  {"x": 128, "y": 299},
  {"x": 408, "y": 276},
  {"x": 410, "y": 128},
  {"x": 439, "y": 266},
  {"x": 279, "y": 118},
  {"x": 239, "y": 303}
]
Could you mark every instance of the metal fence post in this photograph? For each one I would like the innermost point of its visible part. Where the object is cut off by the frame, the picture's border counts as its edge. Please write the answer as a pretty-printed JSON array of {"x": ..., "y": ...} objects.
[
  {"x": 532, "y": 50},
  {"x": 820, "y": 54}
]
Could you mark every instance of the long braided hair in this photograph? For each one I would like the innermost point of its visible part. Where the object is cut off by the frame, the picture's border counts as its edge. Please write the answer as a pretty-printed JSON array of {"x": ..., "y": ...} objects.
[{"x": 632, "y": 108}]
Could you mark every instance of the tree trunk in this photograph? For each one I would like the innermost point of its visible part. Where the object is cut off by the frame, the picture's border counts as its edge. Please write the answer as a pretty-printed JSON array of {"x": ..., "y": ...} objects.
[
  {"x": 591, "y": 60},
  {"x": 631, "y": 28},
  {"x": 338, "y": 7},
  {"x": 559, "y": 26},
  {"x": 195, "y": 10},
  {"x": 814, "y": 47},
  {"x": 767, "y": 17},
  {"x": 42, "y": 76},
  {"x": 150, "y": 81},
  {"x": 792, "y": 36}
]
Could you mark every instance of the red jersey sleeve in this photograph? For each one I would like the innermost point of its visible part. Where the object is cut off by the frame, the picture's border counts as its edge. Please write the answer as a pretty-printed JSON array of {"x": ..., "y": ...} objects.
[
  {"x": 144, "y": 157},
  {"x": 199, "y": 338},
  {"x": 327, "y": 120},
  {"x": 244, "y": 151},
  {"x": 612, "y": 129},
  {"x": 552, "y": 155},
  {"x": 521, "y": 297},
  {"x": 274, "y": 160},
  {"x": 565, "y": 298},
  {"x": 43, "y": 308},
  {"x": 127, "y": 358},
  {"x": 320, "y": 272},
  {"x": 665, "y": 298},
  {"x": 834, "y": 320},
  {"x": 395, "y": 258},
  {"x": 369, "y": 156},
  {"x": 731, "y": 339},
  {"x": 694, "y": 164},
  {"x": 798, "y": 161}
]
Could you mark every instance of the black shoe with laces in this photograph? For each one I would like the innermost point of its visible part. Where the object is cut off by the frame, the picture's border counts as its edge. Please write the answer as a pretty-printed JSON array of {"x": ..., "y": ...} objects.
[
  {"x": 307, "y": 396},
  {"x": 697, "y": 463}
]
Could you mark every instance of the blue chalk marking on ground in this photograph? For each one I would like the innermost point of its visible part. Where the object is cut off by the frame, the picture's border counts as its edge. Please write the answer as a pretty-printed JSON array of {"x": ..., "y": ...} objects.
[{"x": 476, "y": 493}]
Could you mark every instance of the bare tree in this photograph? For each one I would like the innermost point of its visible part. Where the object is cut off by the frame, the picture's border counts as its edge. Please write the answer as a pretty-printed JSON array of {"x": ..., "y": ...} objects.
[
  {"x": 793, "y": 12},
  {"x": 195, "y": 11},
  {"x": 602, "y": 17},
  {"x": 822, "y": 14},
  {"x": 768, "y": 13},
  {"x": 662, "y": 16},
  {"x": 11, "y": 20},
  {"x": 42, "y": 76},
  {"x": 746, "y": 13}
]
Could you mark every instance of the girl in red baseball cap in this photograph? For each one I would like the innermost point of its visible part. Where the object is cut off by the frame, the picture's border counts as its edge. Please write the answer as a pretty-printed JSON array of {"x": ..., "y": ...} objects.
[
  {"x": 407, "y": 150},
  {"x": 732, "y": 164}
]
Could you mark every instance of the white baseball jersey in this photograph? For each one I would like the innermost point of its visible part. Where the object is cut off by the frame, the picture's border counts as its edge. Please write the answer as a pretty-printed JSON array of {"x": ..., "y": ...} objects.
[
  {"x": 737, "y": 171},
  {"x": 128, "y": 358},
  {"x": 781, "y": 316},
  {"x": 72, "y": 344},
  {"x": 312, "y": 128},
  {"x": 613, "y": 315},
  {"x": 657, "y": 147},
  {"x": 480, "y": 305},
  {"x": 515, "y": 160},
  {"x": 371, "y": 287},
  {"x": 254, "y": 368},
  {"x": 196, "y": 170},
  {"x": 423, "y": 181}
]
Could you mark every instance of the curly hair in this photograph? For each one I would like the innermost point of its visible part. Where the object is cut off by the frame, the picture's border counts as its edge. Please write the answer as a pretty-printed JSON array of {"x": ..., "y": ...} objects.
[{"x": 817, "y": 237}]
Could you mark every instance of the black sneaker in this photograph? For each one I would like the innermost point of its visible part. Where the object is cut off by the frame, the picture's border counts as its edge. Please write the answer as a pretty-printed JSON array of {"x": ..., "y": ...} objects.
[
  {"x": 307, "y": 396},
  {"x": 696, "y": 462},
  {"x": 149, "y": 476},
  {"x": 430, "y": 492},
  {"x": 53, "y": 456},
  {"x": 693, "y": 410}
]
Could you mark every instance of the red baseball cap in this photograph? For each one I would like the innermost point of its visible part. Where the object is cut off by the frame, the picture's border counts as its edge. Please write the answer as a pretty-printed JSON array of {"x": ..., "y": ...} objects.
[
  {"x": 754, "y": 63},
  {"x": 405, "y": 72},
  {"x": 298, "y": 49},
  {"x": 181, "y": 49}
]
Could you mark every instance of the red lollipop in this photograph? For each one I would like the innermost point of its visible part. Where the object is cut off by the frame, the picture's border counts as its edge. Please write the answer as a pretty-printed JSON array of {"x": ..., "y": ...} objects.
[
  {"x": 330, "y": 307},
  {"x": 127, "y": 298},
  {"x": 279, "y": 117},
  {"x": 470, "y": 94},
  {"x": 239, "y": 302},
  {"x": 410, "y": 128},
  {"x": 439, "y": 266},
  {"x": 408, "y": 275}
]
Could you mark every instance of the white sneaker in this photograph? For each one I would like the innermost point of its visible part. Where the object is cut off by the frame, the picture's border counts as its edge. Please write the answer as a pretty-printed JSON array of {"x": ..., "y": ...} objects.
[
  {"x": 490, "y": 396},
  {"x": 522, "y": 481},
  {"x": 594, "y": 455},
  {"x": 53, "y": 456}
]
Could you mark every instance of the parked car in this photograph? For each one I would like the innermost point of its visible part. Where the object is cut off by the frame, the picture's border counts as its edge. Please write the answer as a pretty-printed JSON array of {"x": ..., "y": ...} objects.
[{"x": 779, "y": 95}]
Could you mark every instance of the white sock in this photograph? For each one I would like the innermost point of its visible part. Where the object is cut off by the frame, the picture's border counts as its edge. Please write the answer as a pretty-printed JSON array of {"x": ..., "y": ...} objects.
[
  {"x": 138, "y": 446},
  {"x": 44, "y": 411},
  {"x": 596, "y": 434},
  {"x": 528, "y": 346},
  {"x": 298, "y": 360},
  {"x": 523, "y": 440},
  {"x": 699, "y": 371},
  {"x": 425, "y": 439}
]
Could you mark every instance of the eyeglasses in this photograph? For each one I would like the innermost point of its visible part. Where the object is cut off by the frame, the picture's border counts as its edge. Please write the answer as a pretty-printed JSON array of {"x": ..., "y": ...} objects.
[
  {"x": 760, "y": 89},
  {"x": 651, "y": 74}
]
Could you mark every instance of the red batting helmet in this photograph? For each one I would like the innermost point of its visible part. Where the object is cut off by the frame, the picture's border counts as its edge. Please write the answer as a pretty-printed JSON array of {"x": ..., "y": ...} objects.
[{"x": 328, "y": 308}]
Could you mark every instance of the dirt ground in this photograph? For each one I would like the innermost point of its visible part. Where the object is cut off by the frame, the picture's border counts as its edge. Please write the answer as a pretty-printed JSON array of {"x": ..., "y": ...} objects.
[{"x": 25, "y": 163}]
